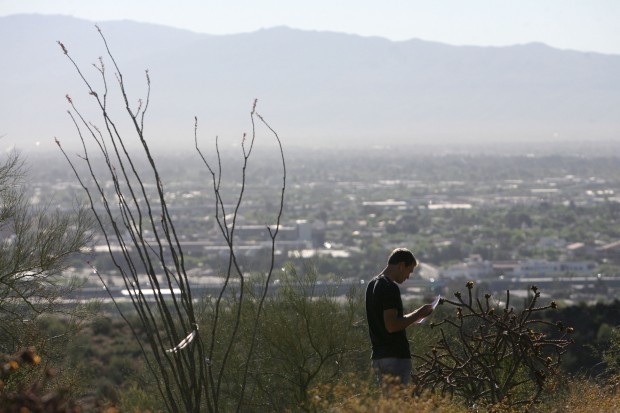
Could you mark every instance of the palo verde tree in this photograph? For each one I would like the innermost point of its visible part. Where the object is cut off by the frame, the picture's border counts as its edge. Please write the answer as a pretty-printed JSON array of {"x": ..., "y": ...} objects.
[
  {"x": 36, "y": 244},
  {"x": 189, "y": 358}
]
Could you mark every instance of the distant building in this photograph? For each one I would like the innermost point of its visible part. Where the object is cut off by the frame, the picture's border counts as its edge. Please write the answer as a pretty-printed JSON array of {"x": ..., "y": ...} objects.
[
  {"x": 379, "y": 206},
  {"x": 474, "y": 267},
  {"x": 505, "y": 268},
  {"x": 433, "y": 206},
  {"x": 609, "y": 251},
  {"x": 537, "y": 268},
  {"x": 304, "y": 230},
  {"x": 575, "y": 247},
  {"x": 323, "y": 252},
  {"x": 318, "y": 232},
  {"x": 551, "y": 242}
]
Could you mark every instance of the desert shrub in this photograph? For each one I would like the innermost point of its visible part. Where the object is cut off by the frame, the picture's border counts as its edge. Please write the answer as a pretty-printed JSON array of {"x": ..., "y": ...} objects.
[
  {"x": 611, "y": 356},
  {"x": 24, "y": 389},
  {"x": 490, "y": 354},
  {"x": 136, "y": 399},
  {"x": 306, "y": 337},
  {"x": 592, "y": 336},
  {"x": 310, "y": 338},
  {"x": 38, "y": 243},
  {"x": 102, "y": 326}
]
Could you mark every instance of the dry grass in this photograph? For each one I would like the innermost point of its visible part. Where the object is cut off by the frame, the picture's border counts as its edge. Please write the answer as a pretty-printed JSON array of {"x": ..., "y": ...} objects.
[
  {"x": 359, "y": 396},
  {"x": 586, "y": 396}
]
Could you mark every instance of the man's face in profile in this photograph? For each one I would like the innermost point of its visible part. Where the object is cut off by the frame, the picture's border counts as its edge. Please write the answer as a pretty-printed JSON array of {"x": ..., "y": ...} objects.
[{"x": 405, "y": 271}]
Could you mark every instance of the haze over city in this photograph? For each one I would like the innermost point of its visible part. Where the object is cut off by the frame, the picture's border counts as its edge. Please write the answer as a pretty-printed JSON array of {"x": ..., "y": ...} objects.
[{"x": 449, "y": 73}]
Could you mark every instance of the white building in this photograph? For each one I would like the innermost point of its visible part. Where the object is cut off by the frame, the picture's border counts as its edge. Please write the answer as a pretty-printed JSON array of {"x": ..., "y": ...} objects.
[
  {"x": 474, "y": 267},
  {"x": 533, "y": 268}
]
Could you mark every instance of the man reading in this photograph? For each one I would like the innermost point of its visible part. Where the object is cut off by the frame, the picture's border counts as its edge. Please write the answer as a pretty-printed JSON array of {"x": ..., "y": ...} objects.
[{"x": 386, "y": 319}]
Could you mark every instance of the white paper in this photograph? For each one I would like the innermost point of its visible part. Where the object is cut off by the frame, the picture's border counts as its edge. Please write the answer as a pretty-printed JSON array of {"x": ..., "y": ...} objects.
[{"x": 433, "y": 304}]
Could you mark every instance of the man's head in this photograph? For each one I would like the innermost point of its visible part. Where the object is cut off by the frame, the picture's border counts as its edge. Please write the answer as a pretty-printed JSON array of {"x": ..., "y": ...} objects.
[
  {"x": 401, "y": 264},
  {"x": 402, "y": 255}
]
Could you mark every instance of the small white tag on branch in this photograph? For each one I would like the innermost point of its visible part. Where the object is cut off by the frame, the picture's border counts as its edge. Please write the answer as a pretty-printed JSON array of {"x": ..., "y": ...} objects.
[{"x": 185, "y": 341}]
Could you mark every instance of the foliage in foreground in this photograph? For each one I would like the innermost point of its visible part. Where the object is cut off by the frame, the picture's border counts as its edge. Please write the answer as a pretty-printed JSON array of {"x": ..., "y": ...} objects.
[
  {"x": 566, "y": 395},
  {"x": 354, "y": 395},
  {"x": 342, "y": 383},
  {"x": 36, "y": 245},
  {"x": 20, "y": 391},
  {"x": 490, "y": 352},
  {"x": 587, "y": 396}
]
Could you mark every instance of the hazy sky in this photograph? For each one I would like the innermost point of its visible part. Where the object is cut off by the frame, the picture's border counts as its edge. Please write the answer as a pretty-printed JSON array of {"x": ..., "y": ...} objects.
[{"x": 586, "y": 25}]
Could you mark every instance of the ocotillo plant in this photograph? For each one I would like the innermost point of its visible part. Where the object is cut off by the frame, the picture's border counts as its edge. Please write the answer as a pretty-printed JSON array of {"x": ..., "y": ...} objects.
[
  {"x": 489, "y": 352},
  {"x": 190, "y": 369}
]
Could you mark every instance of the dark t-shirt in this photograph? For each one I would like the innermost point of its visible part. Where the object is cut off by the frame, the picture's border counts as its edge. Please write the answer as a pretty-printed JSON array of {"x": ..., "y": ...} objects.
[{"x": 383, "y": 294}]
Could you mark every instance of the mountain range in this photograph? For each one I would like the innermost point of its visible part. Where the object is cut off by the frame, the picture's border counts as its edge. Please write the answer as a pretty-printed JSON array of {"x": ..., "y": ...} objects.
[{"x": 314, "y": 88}]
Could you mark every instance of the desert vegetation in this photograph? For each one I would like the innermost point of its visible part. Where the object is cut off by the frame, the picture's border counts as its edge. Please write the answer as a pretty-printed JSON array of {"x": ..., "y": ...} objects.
[
  {"x": 257, "y": 344},
  {"x": 312, "y": 355}
]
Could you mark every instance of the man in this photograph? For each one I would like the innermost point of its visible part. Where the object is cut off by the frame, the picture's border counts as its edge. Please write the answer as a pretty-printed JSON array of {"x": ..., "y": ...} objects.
[{"x": 386, "y": 320}]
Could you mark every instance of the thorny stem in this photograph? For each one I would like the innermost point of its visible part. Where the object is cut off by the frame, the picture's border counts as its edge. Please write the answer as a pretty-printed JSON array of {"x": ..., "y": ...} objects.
[{"x": 495, "y": 354}]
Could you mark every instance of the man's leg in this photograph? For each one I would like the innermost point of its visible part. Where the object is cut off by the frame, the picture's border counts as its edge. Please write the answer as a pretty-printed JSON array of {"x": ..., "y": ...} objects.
[{"x": 397, "y": 369}]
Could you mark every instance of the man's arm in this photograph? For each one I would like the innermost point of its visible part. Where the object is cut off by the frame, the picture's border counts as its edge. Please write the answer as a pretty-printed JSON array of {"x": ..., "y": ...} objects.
[{"x": 393, "y": 323}]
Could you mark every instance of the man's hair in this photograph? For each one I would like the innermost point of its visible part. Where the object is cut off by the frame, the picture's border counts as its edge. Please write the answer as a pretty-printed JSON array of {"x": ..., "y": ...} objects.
[{"x": 402, "y": 255}]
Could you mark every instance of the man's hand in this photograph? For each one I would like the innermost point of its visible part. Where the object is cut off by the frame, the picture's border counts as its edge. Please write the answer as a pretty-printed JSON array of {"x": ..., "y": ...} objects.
[
  {"x": 393, "y": 323},
  {"x": 423, "y": 311}
]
